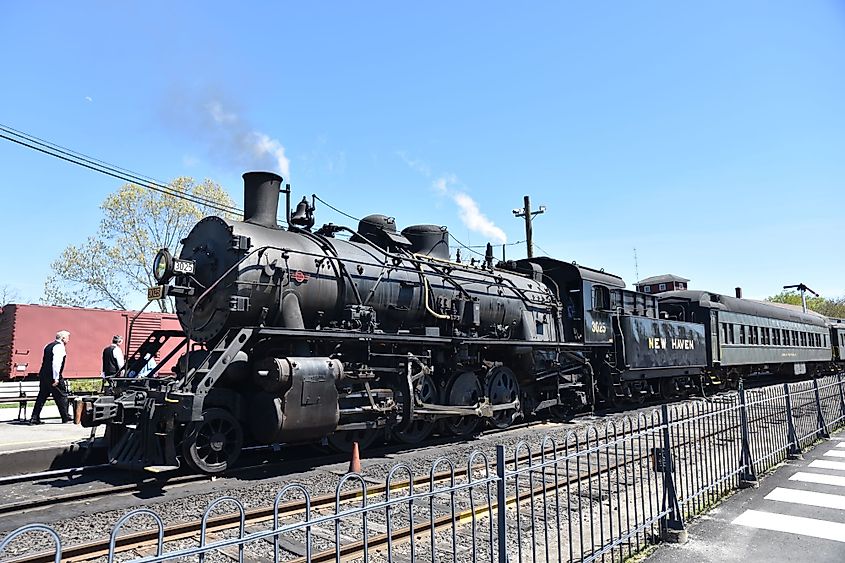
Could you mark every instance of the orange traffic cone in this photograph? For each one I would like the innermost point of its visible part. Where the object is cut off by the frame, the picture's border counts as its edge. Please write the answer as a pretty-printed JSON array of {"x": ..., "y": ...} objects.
[{"x": 355, "y": 462}]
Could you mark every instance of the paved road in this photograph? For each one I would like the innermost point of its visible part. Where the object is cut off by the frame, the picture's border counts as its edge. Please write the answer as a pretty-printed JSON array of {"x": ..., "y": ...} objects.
[{"x": 797, "y": 514}]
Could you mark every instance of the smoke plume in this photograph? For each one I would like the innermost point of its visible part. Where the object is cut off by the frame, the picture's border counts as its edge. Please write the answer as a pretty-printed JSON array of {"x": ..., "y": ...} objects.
[{"x": 241, "y": 143}]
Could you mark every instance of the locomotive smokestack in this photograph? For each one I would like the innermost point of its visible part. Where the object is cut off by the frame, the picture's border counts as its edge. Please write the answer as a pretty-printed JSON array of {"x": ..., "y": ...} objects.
[
  {"x": 261, "y": 198},
  {"x": 738, "y": 292}
]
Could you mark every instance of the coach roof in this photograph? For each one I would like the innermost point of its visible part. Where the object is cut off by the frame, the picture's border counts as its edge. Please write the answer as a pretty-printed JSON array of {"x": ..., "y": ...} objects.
[{"x": 768, "y": 309}]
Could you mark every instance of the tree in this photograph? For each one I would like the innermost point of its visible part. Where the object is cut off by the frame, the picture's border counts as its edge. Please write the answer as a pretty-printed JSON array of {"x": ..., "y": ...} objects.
[
  {"x": 115, "y": 265},
  {"x": 829, "y": 307},
  {"x": 8, "y": 294}
]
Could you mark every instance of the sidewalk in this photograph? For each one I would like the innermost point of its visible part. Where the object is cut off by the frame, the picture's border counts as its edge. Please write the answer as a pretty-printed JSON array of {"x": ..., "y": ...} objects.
[{"x": 797, "y": 514}]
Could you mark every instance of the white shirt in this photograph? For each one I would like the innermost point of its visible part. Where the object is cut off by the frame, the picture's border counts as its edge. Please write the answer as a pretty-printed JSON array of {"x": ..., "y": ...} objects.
[
  {"x": 118, "y": 356},
  {"x": 59, "y": 354}
]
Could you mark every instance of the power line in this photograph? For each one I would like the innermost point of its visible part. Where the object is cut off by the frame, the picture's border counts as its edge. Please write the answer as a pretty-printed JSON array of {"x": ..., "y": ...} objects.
[
  {"x": 68, "y": 155},
  {"x": 73, "y": 157},
  {"x": 542, "y": 250}
]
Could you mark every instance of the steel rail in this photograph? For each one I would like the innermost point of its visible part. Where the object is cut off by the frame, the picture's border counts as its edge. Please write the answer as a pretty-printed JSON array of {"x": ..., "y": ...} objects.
[{"x": 81, "y": 552}]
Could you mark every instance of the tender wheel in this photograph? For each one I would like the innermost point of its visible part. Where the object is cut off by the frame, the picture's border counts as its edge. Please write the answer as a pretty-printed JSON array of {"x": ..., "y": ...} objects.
[
  {"x": 419, "y": 429},
  {"x": 668, "y": 388},
  {"x": 342, "y": 441},
  {"x": 465, "y": 390},
  {"x": 213, "y": 445},
  {"x": 502, "y": 387}
]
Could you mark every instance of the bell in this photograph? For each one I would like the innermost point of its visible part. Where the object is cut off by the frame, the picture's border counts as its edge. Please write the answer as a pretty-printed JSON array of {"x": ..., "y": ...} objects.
[{"x": 303, "y": 216}]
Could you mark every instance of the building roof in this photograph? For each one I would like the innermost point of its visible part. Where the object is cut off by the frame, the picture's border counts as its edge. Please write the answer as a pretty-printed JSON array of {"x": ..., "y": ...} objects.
[{"x": 662, "y": 279}]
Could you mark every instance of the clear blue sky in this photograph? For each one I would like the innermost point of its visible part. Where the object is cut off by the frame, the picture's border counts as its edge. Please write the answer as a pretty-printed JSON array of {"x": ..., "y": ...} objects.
[{"x": 710, "y": 136}]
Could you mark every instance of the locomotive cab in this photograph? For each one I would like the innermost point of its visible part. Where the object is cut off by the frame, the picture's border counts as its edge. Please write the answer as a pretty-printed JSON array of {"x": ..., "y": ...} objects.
[{"x": 585, "y": 295}]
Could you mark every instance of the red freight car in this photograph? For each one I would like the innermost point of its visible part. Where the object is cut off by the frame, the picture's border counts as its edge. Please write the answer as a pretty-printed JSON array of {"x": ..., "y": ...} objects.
[{"x": 26, "y": 329}]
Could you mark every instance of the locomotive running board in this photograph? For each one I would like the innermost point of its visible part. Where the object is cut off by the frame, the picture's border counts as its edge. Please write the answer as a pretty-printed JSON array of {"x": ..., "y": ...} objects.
[{"x": 418, "y": 339}]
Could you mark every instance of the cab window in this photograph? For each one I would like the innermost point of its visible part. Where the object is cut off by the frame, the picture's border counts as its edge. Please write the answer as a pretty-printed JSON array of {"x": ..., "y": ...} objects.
[{"x": 601, "y": 298}]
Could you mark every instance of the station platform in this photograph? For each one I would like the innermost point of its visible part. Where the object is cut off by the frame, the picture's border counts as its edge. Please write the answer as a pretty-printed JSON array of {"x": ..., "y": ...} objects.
[
  {"x": 48, "y": 446},
  {"x": 796, "y": 514}
]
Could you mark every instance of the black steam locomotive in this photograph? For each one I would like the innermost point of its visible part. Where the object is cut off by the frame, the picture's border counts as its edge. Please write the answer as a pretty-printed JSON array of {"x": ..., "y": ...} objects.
[{"x": 301, "y": 335}]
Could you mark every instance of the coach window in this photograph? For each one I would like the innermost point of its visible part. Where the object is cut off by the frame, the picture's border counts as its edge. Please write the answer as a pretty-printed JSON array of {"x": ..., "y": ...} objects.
[
  {"x": 731, "y": 333},
  {"x": 776, "y": 336},
  {"x": 742, "y": 334},
  {"x": 766, "y": 339},
  {"x": 795, "y": 338}
]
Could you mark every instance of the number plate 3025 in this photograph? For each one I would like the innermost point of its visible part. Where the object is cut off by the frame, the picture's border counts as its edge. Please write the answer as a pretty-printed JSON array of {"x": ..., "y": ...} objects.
[{"x": 155, "y": 292}]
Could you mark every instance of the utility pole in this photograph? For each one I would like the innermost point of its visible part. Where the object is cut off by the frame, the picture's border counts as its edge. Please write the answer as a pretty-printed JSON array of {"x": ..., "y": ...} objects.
[
  {"x": 529, "y": 216},
  {"x": 636, "y": 265},
  {"x": 803, "y": 289}
]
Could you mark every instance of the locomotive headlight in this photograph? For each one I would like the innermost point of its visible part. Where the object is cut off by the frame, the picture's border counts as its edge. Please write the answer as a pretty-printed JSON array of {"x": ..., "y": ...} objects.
[{"x": 163, "y": 266}]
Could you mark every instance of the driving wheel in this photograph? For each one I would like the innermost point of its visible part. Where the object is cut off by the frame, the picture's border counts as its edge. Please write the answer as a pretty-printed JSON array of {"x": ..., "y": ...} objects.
[
  {"x": 419, "y": 429},
  {"x": 343, "y": 440},
  {"x": 465, "y": 390},
  {"x": 213, "y": 444},
  {"x": 502, "y": 388}
]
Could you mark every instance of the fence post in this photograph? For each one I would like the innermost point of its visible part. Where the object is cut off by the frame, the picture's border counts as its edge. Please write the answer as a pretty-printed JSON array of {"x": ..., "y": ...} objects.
[
  {"x": 747, "y": 478},
  {"x": 501, "y": 507},
  {"x": 672, "y": 525},
  {"x": 822, "y": 433},
  {"x": 794, "y": 449}
]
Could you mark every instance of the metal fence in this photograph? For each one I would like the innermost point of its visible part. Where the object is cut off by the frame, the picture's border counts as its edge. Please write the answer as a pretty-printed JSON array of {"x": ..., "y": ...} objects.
[{"x": 598, "y": 492}]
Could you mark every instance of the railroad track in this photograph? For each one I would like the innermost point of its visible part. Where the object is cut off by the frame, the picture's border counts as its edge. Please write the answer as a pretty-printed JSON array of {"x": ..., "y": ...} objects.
[{"x": 141, "y": 541}]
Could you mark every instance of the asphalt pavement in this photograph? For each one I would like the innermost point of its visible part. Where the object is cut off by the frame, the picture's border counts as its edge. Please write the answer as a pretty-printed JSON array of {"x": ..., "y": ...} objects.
[{"x": 796, "y": 514}]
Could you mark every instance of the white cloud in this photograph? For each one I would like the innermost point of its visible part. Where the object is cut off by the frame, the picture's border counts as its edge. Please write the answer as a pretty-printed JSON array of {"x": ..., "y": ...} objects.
[
  {"x": 415, "y": 164},
  {"x": 189, "y": 161},
  {"x": 475, "y": 220},
  {"x": 470, "y": 213},
  {"x": 218, "y": 114},
  {"x": 89, "y": 99}
]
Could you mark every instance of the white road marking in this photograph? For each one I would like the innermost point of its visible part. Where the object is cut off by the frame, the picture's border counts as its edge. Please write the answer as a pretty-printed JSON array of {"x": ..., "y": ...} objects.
[
  {"x": 793, "y": 524},
  {"x": 825, "y": 464},
  {"x": 810, "y": 498},
  {"x": 820, "y": 478},
  {"x": 835, "y": 453},
  {"x": 840, "y": 445}
]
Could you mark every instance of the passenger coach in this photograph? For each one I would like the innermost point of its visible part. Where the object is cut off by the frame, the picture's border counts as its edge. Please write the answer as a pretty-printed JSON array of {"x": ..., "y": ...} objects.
[{"x": 746, "y": 336}]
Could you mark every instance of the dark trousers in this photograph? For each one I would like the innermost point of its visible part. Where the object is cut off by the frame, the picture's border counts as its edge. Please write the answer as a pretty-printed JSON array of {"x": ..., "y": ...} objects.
[{"x": 59, "y": 394}]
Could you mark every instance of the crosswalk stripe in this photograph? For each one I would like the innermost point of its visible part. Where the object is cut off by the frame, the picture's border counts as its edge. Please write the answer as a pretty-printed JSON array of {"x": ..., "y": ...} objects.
[
  {"x": 810, "y": 498},
  {"x": 793, "y": 524},
  {"x": 835, "y": 453},
  {"x": 820, "y": 478},
  {"x": 840, "y": 445},
  {"x": 825, "y": 464}
]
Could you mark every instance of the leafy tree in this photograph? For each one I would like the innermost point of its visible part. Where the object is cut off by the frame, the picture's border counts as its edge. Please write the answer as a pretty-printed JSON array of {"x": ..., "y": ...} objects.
[
  {"x": 829, "y": 307},
  {"x": 116, "y": 263}
]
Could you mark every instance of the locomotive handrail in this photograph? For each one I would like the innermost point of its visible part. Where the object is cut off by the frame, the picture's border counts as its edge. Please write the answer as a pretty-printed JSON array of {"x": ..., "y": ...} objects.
[{"x": 340, "y": 265}]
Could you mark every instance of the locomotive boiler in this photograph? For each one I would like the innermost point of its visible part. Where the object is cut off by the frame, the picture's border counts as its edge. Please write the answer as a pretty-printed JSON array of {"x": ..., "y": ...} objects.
[{"x": 292, "y": 334}]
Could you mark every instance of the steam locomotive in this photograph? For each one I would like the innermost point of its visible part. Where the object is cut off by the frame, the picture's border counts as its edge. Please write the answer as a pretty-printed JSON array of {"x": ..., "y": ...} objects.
[{"x": 300, "y": 335}]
